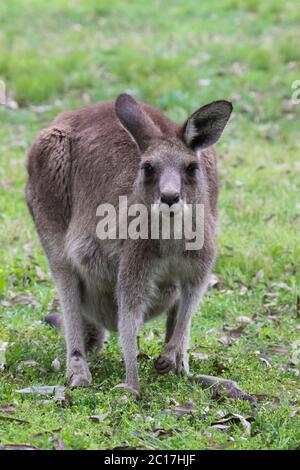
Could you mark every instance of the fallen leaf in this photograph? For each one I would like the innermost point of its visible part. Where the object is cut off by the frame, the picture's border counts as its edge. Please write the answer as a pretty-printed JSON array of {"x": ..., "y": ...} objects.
[
  {"x": 11, "y": 103},
  {"x": 136, "y": 434},
  {"x": 216, "y": 281},
  {"x": 17, "y": 420},
  {"x": 204, "y": 82},
  {"x": 125, "y": 448},
  {"x": 18, "y": 447},
  {"x": 273, "y": 319},
  {"x": 294, "y": 412},
  {"x": 56, "y": 364},
  {"x": 243, "y": 319},
  {"x": 219, "y": 367},
  {"x": 59, "y": 444},
  {"x": 60, "y": 395},
  {"x": 150, "y": 336},
  {"x": 99, "y": 418},
  {"x": 224, "y": 340},
  {"x": 56, "y": 390},
  {"x": 282, "y": 285},
  {"x": 258, "y": 278},
  {"x": 174, "y": 402},
  {"x": 200, "y": 356},
  {"x": 293, "y": 370},
  {"x": 129, "y": 389},
  {"x": 235, "y": 332},
  {"x": 160, "y": 432},
  {"x": 234, "y": 417},
  {"x": 6, "y": 184},
  {"x": 264, "y": 396},
  {"x": 24, "y": 364},
  {"x": 20, "y": 299},
  {"x": 3, "y": 348},
  {"x": 217, "y": 445},
  {"x": 149, "y": 419},
  {"x": 55, "y": 305},
  {"x": 43, "y": 433},
  {"x": 265, "y": 360},
  {"x": 278, "y": 350},
  {"x": 188, "y": 408},
  {"x": 40, "y": 275},
  {"x": 219, "y": 387},
  {"x": 222, "y": 427},
  {"x": 8, "y": 409},
  {"x": 243, "y": 290}
]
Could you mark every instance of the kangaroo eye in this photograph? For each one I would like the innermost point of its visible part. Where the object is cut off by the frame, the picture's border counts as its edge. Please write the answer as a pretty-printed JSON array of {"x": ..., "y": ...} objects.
[
  {"x": 191, "y": 169},
  {"x": 148, "y": 169}
]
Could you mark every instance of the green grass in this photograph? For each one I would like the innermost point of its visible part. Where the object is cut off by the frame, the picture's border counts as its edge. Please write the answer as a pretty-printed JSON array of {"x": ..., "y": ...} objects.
[{"x": 176, "y": 55}]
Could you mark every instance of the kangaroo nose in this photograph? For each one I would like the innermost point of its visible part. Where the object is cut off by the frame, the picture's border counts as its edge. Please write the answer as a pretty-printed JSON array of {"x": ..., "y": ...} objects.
[{"x": 169, "y": 198}]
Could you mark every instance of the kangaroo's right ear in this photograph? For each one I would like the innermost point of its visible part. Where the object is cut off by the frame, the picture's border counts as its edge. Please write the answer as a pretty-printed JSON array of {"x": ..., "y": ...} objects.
[{"x": 135, "y": 121}]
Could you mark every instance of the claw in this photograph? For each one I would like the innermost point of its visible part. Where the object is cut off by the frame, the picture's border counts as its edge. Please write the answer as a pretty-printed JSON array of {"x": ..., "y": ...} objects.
[
  {"x": 78, "y": 373},
  {"x": 79, "y": 381},
  {"x": 164, "y": 364},
  {"x": 129, "y": 388}
]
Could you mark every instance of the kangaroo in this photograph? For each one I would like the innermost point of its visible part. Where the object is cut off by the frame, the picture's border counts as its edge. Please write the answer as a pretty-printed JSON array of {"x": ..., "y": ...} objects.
[{"x": 91, "y": 156}]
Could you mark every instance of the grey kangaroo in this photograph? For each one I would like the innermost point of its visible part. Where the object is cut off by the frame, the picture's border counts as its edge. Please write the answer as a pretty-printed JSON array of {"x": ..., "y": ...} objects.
[{"x": 92, "y": 156}]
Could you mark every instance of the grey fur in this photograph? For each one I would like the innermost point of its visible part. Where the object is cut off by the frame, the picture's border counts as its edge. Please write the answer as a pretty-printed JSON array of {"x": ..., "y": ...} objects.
[{"x": 92, "y": 156}]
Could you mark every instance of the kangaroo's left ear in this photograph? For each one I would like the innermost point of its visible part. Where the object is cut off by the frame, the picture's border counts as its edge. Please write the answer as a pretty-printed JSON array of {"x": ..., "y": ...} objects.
[{"x": 205, "y": 126}]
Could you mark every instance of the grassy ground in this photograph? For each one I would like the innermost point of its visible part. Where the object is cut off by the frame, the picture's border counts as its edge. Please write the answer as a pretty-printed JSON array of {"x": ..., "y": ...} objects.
[{"x": 176, "y": 55}]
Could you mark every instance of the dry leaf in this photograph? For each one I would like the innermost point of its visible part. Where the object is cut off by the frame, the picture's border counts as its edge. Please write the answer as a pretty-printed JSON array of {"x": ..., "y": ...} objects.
[
  {"x": 282, "y": 285},
  {"x": 221, "y": 387},
  {"x": 20, "y": 299},
  {"x": 18, "y": 447},
  {"x": 188, "y": 408},
  {"x": 56, "y": 364},
  {"x": 129, "y": 389},
  {"x": 220, "y": 446},
  {"x": 265, "y": 360},
  {"x": 8, "y": 409},
  {"x": 56, "y": 390},
  {"x": 43, "y": 433},
  {"x": 125, "y": 448},
  {"x": 55, "y": 305},
  {"x": 6, "y": 184},
  {"x": 243, "y": 290},
  {"x": 160, "y": 432},
  {"x": 3, "y": 348},
  {"x": 150, "y": 336},
  {"x": 222, "y": 427},
  {"x": 234, "y": 417},
  {"x": 258, "y": 278},
  {"x": 294, "y": 412},
  {"x": 200, "y": 356},
  {"x": 40, "y": 275},
  {"x": 242, "y": 319},
  {"x": 265, "y": 396},
  {"x": 235, "y": 332},
  {"x": 59, "y": 395},
  {"x": 16, "y": 420},
  {"x": 99, "y": 418},
  {"x": 215, "y": 281},
  {"x": 224, "y": 340},
  {"x": 278, "y": 350},
  {"x": 59, "y": 444}
]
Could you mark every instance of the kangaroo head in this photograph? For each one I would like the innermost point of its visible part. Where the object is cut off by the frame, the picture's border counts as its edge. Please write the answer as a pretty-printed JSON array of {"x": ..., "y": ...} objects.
[{"x": 170, "y": 173}]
